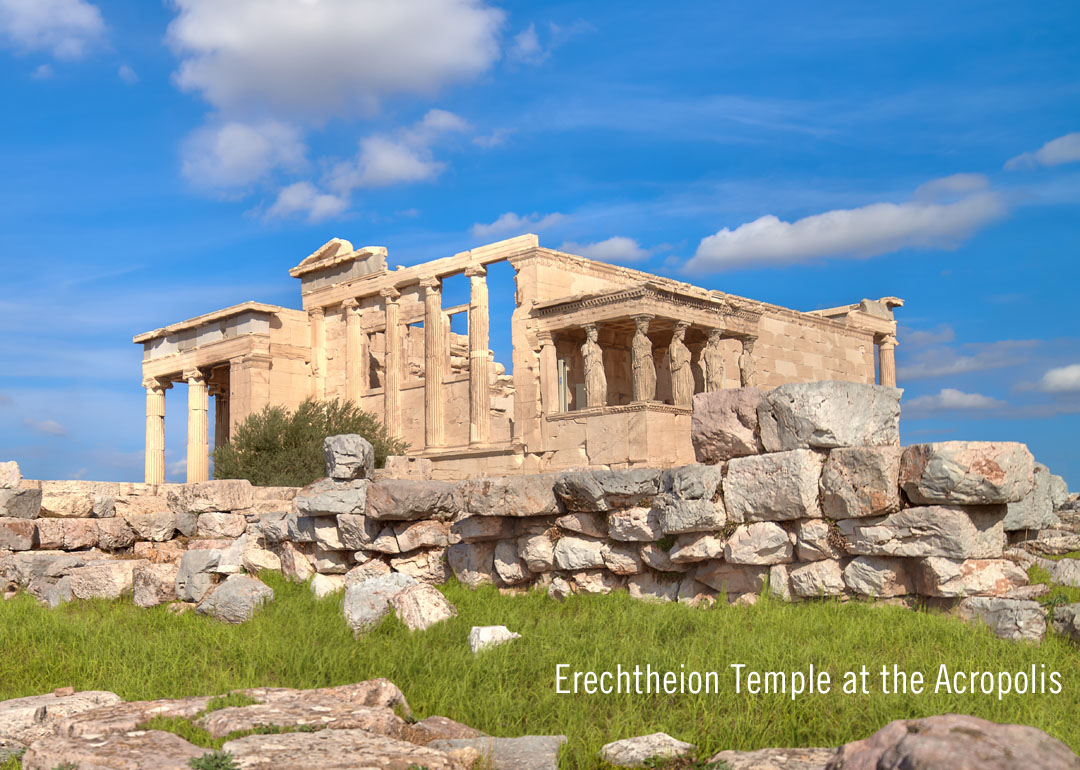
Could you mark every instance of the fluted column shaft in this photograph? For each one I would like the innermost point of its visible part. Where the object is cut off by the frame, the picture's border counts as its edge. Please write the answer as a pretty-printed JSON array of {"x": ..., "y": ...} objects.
[
  {"x": 392, "y": 360},
  {"x": 434, "y": 352},
  {"x": 198, "y": 448},
  {"x": 479, "y": 357},
  {"x": 355, "y": 353},
  {"x": 317, "y": 317},
  {"x": 155, "y": 430},
  {"x": 549, "y": 375},
  {"x": 887, "y": 360}
]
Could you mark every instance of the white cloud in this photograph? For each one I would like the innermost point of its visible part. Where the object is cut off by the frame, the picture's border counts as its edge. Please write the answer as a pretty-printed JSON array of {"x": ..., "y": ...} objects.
[
  {"x": 864, "y": 232},
  {"x": 514, "y": 223},
  {"x": 916, "y": 338},
  {"x": 1064, "y": 379},
  {"x": 48, "y": 427},
  {"x": 1064, "y": 149},
  {"x": 42, "y": 72},
  {"x": 495, "y": 139},
  {"x": 384, "y": 160},
  {"x": 950, "y": 398},
  {"x": 972, "y": 357},
  {"x": 950, "y": 187},
  {"x": 66, "y": 28},
  {"x": 304, "y": 198},
  {"x": 235, "y": 154},
  {"x": 127, "y": 74},
  {"x": 526, "y": 46},
  {"x": 313, "y": 59},
  {"x": 616, "y": 249}
]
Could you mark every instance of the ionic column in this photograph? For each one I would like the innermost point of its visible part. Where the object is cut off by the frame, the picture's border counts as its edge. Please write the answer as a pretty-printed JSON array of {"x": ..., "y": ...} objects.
[
  {"x": 355, "y": 354},
  {"x": 318, "y": 352},
  {"x": 198, "y": 448},
  {"x": 887, "y": 360},
  {"x": 221, "y": 415},
  {"x": 392, "y": 360},
  {"x": 747, "y": 375},
  {"x": 549, "y": 375},
  {"x": 479, "y": 357},
  {"x": 155, "y": 429},
  {"x": 434, "y": 352}
]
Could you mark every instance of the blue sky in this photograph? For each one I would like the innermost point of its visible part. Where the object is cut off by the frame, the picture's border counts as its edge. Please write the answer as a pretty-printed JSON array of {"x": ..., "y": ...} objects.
[{"x": 161, "y": 160}]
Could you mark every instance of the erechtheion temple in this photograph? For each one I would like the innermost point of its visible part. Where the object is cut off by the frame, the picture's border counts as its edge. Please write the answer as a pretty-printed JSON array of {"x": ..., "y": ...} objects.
[{"x": 605, "y": 363}]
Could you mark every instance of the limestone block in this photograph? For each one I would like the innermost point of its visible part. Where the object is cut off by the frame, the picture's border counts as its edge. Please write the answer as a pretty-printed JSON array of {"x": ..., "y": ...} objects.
[
  {"x": 861, "y": 481},
  {"x": 300, "y": 529},
  {"x": 187, "y": 524},
  {"x": 724, "y": 424},
  {"x": 158, "y": 553},
  {"x": 349, "y": 457},
  {"x": 531, "y": 495},
  {"x": 255, "y": 560},
  {"x": 273, "y": 527},
  {"x": 327, "y": 535},
  {"x": 829, "y": 414},
  {"x": 967, "y": 472},
  {"x": 485, "y": 637},
  {"x": 158, "y": 526},
  {"x": 420, "y": 607},
  {"x": 369, "y": 569},
  {"x": 953, "y": 532},
  {"x": 327, "y": 497},
  {"x": 732, "y": 579},
  {"x": 1012, "y": 619},
  {"x": 17, "y": 534},
  {"x": 408, "y": 500},
  {"x": 677, "y": 516},
  {"x": 154, "y": 584},
  {"x": 325, "y": 585},
  {"x": 762, "y": 542},
  {"x": 427, "y": 566},
  {"x": 210, "y": 496},
  {"x": 538, "y": 552},
  {"x": 632, "y": 752},
  {"x": 67, "y": 505},
  {"x": 695, "y": 594},
  {"x": 402, "y": 467},
  {"x": 473, "y": 563},
  {"x": 655, "y": 557},
  {"x": 385, "y": 542},
  {"x": 693, "y": 482},
  {"x": 774, "y": 759},
  {"x": 573, "y": 553},
  {"x": 221, "y": 525},
  {"x": 24, "y": 503},
  {"x": 104, "y": 580},
  {"x": 878, "y": 576},
  {"x": 26, "y": 720},
  {"x": 1066, "y": 621},
  {"x": 368, "y": 601},
  {"x": 195, "y": 575},
  {"x": 10, "y": 475},
  {"x": 651, "y": 587},
  {"x": 819, "y": 578},
  {"x": 696, "y": 547},
  {"x": 589, "y": 524},
  {"x": 780, "y": 582},
  {"x": 236, "y": 600},
  {"x": 422, "y": 534},
  {"x": 774, "y": 487},
  {"x": 67, "y": 534},
  {"x": 357, "y": 531},
  {"x": 595, "y": 581},
  {"x": 335, "y": 750},
  {"x": 604, "y": 490},
  {"x": 142, "y": 748},
  {"x": 622, "y": 558},
  {"x": 474, "y": 529},
  {"x": 331, "y": 562},
  {"x": 816, "y": 540},
  {"x": 295, "y": 565},
  {"x": 510, "y": 567},
  {"x": 1036, "y": 509},
  {"x": 1059, "y": 491},
  {"x": 634, "y": 525},
  {"x": 935, "y": 576}
]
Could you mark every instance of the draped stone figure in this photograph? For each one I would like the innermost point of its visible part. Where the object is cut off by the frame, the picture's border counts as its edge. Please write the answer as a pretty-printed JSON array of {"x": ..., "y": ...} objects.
[
  {"x": 747, "y": 377},
  {"x": 644, "y": 366},
  {"x": 595, "y": 379},
  {"x": 713, "y": 357},
  {"x": 682, "y": 377}
]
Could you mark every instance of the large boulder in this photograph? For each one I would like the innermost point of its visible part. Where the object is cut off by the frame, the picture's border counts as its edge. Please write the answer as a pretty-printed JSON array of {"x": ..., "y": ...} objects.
[
  {"x": 154, "y": 584},
  {"x": 635, "y": 525},
  {"x": 1012, "y": 619},
  {"x": 829, "y": 414},
  {"x": 236, "y": 600},
  {"x": 878, "y": 576},
  {"x": 953, "y": 532},
  {"x": 10, "y": 476},
  {"x": 310, "y": 709},
  {"x": 209, "y": 496},
  {"x": 349, "y": 457},
  {"x": 761, "y": 542},
  {"x": 1036, "y": 509},
  {"x": 774, "y": 759},
  {"x": 20, "y": 503},
  {"x": 327, "y": 497},
  {"x": 473, "y": 563},
  {"x": 633, "y": 752},
  {"x": 572, "y": 553},
  {"x": 951, "y": 578},
  {"x": 529, "y": 752},
  {"x": 17, "y": 534},
  {"x": 818, "y": 578},
  {"x": 861, "y": 481},
  {"x": 1066, "y": 621},
  {"x": 732, "y": 579},
  {"x": 817, "y": 539},
  {"x": 407, "y": 500},
  {"x": 604, "y": 490},
  {"x": 142, "y": 748},
  {"x": 104, "y": 579},
  {"x": 531, "y": 495},
  {"x": 773, "y": 487},
  {"x": 366, "y": 602},
  {"x": 25, "y": 720},
  {"x": 420, "y": 607},
  {"x": 724, "y": 424},
  {"x": 967, "y": 472},
  {"x": 196, "y": 574},
  {"x": 335, "y": 750},
  {"x": 956, "y": 742}
]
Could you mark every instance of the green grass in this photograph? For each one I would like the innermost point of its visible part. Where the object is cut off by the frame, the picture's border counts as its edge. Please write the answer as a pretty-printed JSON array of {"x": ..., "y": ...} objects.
[
  {"x": 298, "y": 641},
  {"x": 1069, "y": 555}
]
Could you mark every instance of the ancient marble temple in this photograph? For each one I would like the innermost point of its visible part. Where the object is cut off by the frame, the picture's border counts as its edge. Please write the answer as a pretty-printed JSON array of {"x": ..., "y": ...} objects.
[{"x": 606, "y": 359}]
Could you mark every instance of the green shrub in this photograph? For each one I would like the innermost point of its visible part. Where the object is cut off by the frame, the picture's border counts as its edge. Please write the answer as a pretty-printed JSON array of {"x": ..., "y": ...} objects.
[
  {"x": 276, "y": 447},
  {"x": 217, "y": 760}
]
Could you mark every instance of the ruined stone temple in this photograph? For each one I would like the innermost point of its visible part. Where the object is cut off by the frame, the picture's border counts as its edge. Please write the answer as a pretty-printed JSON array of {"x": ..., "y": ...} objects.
[{"x": 606, "y": 359}]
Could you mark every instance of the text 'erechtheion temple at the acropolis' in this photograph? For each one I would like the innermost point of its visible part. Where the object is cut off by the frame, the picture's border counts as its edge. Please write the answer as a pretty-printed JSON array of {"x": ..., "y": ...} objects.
[{"x": 606, "y": 359}]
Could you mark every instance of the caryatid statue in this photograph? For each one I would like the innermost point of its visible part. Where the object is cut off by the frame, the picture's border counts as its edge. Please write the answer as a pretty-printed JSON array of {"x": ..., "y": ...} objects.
[
  {"x": 595, "y": 378},
  {"x": 682, "y": 377},
  {"x": 713, "y": 357},
  {"x": 644, "y": 366},
  {"x": 746, "y": 364}
]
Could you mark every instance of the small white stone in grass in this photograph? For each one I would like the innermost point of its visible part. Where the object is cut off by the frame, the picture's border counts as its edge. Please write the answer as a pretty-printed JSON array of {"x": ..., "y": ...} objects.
[{"x": 482, "y": 637}]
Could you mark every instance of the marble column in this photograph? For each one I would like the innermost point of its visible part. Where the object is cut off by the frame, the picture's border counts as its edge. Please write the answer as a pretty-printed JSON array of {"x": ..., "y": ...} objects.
[
  {"x": 644, "y": 365},
  {"x": 221, "y": 414},
  {"x": 549, "y": 374},
  {"x": 887, "y": 360},
  {"x": 747, "y": 373},
  {"x": 355, "y": 351},
  {"x": 392, "y": 363},
  {"x": 316, "y": 316},
  {"x": 434, "y": 353},
  {"x": 155, "y": 429},
  {"x": 198, "y": 449},
  {"x": 479, "y": 357}
]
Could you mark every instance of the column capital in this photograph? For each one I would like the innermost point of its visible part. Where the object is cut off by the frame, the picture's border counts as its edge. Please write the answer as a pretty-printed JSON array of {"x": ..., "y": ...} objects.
[
  {"x": 390, "y": 294},
  {"x": 350, "y": 304},
  {"x": 546, "y": 338},
  {"x": 431, "y": 284},
  {"x": 643, "y": 317},
  {"x": 316, "y": 312},
  {"x": 887, "y": 341},
  {"x": 196, "y": 375},
  {"x": 475, "y": 271},
  {"x": 156, "y": 384},
  {"x": 683, "y": 325}
]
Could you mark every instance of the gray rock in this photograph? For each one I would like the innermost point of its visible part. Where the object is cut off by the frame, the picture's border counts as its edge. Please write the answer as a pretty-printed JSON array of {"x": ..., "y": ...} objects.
[
  {"x": 696, "y": 547},
  {"x": 17, "y": 534},
  {"x": 951, "y": 578},
  {"x": 658, "y": 559},
  {"x": 327, "y": 497},
  {"x": 483, "y": 637},
  {"x": 1066, "y": 621},
  {"x": 732, "y": 579},
  {"x": 1012, "y": 619},
  {"x": 510, "y": 568},
  {"x": 195, "y": 576},
  {"x": 157, "y": 526},
  {"x": 677, "y": 516},
  {"x": 515, "y": 496},
  {"x": 331, "y": 562},
  {"x": 473, "y": 563},
  {"x": 652, "y": 588},
  {"x": 775, "y": 759},
  {"x": 217, "y": 525},
  {"x": 878, "y": 577},
  {"x": 634, "y": 525},
  {"x": 367, "y": 601},
  {"x": 349, "y": 457},
  {"x": 325, "y": 585},
  {"x": 693, "y": 482},
  {"x": 819, "y": 578},
  {"x": 595, "y": 581},
  {"x": 537, "y": 551},
  {"x": 774, "y": 487},
  {"x": 529, "y": 752},
  {"x": 225, "y": 495},
  {"x": 954, "y": 532},
  {"x": 357, "y": 531},
  {"x": 20, "y": 503},
  {"x": 104, "y": 580},
  {"x": 236, "y": 600},
  {"x": 114, "y": 534},
  {"x": 574, "y": 553},
  {"x": 829, "y": 414},
  {"x": 427, "y": 566},
  {"x": 1036, "y": 509},
  {"x": 143, "y": 748},
  {"x": 10, "y": 476},
  {"x": 967, "y": 472},
  {"x": 1059, "y": 491},
  {"x": 475, "y": 529},
  {"x": 589, "y": 524},
  {"x": 632, "y": 752},
  {"x": 25, "y": 720},
  {"x": 1065, "y": 572},
  {"x": 154, "y": 584},
  {"x": 622, "y": 558},
  {"x": 334, "y": 750},
  {"x": 300, "y": 529},
  {"x": 762, "y": 542},
  {"x": 724, "y": 424},
  {"x": 420, "y": 607},
  {"x": 604, "y": 490},
  {"x": 817, "y": 540},
  {"x": 408, "y": 500},
  {"x": 861, "y": 481}
]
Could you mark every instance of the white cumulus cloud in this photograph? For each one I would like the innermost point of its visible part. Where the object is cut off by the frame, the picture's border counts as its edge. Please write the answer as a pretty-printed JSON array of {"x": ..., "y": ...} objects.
[
  {"x": 863, "y": 232},
  {"x": 312, "y": 59},
  {"x": 235, "y": 154},
  {"x": 616, "y": 249},
  {"x": 65, "y": 28},
  {"x": 303, "y": 198},
  {"x": 1064, "y": 149},
  {"x": 951, "y": 398},
  {"x": 48, "y": 427},
  {"x": 1064, "y": 379},
  {"x": 511, "y": 222}
]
